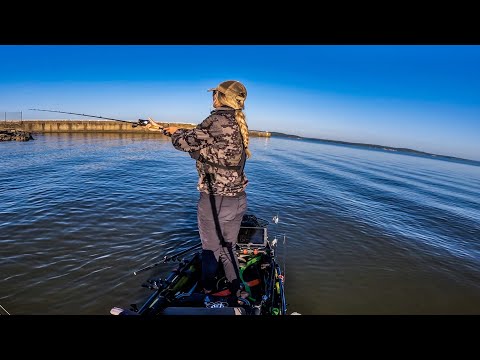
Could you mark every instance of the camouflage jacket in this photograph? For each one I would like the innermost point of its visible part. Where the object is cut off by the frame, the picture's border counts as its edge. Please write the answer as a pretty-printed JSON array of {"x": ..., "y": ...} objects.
[{"x": 216, "y": 144}]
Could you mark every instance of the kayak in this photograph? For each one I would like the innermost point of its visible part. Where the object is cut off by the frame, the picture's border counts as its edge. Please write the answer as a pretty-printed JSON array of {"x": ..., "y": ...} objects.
[{"x": 180, "y": 292}]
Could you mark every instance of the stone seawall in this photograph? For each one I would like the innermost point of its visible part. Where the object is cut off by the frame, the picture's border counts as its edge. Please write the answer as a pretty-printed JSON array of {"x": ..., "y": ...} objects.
[{"x": 84, "y": 126}]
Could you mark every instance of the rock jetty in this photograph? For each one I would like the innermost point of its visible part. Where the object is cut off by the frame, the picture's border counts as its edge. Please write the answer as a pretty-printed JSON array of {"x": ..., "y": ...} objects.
[{"x": 15, "y": 135}]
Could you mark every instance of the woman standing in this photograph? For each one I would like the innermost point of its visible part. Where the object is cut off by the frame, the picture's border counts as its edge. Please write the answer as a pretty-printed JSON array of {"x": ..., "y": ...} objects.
[{"x": 219, "y": 144}]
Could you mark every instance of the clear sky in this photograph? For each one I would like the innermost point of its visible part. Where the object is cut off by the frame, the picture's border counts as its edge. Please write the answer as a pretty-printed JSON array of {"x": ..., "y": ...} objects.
[{"x": 422, "y": 97}]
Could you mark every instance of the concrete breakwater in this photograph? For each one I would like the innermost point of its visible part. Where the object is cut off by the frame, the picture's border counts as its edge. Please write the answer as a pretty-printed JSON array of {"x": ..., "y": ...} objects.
[{"x": 83, "y": 126}]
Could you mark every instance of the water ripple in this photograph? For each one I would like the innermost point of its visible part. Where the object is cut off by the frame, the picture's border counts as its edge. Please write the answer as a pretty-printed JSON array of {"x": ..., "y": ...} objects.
[{"x": 366, "y": 232}]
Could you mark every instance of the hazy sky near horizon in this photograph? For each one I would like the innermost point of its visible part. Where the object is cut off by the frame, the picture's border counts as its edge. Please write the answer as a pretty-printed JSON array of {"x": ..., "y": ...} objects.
[{"x": 422, "y": 97}]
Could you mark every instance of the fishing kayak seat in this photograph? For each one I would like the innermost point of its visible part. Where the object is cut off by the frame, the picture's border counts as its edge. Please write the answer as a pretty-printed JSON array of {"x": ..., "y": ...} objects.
[{"x": 183, "y": 310}]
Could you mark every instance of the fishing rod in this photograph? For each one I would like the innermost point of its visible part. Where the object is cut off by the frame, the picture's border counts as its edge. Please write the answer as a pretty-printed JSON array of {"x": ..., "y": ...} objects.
[
  {"x": 4, "y": 310},
  {"x": 139, "y": 122},
  {"x": 168, "y": 258}
]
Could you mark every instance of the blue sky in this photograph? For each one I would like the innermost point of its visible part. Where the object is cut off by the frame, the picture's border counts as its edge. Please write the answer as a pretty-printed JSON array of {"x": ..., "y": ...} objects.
[{"x": 422, "y": 97}]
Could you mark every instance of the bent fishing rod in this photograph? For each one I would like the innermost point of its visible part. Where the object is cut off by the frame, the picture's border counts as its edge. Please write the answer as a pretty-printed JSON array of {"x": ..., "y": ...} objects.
[{"x": 139, "y": 122}]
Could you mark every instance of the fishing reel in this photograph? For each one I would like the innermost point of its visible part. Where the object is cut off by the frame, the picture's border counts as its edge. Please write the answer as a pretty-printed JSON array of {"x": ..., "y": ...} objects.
[
  {"x": 141, "y": 122},
  {"x": 144, "y": 122}
]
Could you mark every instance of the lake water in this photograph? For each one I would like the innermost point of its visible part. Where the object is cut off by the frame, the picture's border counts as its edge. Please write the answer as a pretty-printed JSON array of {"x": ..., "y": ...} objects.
[{"x": 366, "y": 231}]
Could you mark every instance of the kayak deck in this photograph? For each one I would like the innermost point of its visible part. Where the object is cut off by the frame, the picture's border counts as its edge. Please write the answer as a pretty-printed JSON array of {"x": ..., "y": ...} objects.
[{"x": 180, "y": 293}]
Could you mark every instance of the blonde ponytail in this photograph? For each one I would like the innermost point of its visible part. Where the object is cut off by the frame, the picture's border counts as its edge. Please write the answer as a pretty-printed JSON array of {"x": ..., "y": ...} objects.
[
  {"x": 242, "y": 123},
  {"x": 238, "y": 103}
]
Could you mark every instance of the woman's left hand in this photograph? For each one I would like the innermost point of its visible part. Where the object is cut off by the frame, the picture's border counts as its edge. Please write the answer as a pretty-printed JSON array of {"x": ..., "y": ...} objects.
[{"x": 170, "y": 130}]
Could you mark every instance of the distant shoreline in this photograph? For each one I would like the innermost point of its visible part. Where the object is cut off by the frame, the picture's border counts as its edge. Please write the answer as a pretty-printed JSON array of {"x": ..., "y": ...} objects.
[
  {"x": 379, "y": 147},
  {"x": 111, "y": 126}
]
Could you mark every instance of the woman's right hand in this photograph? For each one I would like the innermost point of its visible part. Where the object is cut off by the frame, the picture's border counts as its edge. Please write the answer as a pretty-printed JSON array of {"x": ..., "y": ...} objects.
[{"x": 153, "y": 126}]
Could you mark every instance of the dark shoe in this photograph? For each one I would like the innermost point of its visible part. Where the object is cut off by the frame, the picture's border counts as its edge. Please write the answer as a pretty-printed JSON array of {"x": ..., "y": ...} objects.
[
  {"x": 242, "y": 294},
  {"x": 240, "y": 299}
]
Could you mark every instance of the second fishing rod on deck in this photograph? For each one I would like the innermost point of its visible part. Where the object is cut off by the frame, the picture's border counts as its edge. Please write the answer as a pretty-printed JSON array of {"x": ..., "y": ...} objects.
[{"x": 139, "y": 122}]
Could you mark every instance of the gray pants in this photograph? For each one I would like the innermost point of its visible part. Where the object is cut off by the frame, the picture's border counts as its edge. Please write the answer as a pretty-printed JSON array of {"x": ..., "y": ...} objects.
[{"x": 230, "y": 211}]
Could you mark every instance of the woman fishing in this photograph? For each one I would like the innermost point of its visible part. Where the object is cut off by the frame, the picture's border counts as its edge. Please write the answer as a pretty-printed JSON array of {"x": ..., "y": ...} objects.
[{"x": 219, "y": 144}]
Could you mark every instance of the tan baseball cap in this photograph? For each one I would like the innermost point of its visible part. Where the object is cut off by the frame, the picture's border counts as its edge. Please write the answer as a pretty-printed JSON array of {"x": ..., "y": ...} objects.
[{"x": 231, "y": 88}]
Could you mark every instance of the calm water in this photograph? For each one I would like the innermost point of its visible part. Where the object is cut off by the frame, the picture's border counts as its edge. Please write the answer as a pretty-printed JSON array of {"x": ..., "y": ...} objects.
[{"x": 367, "y": 232}]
